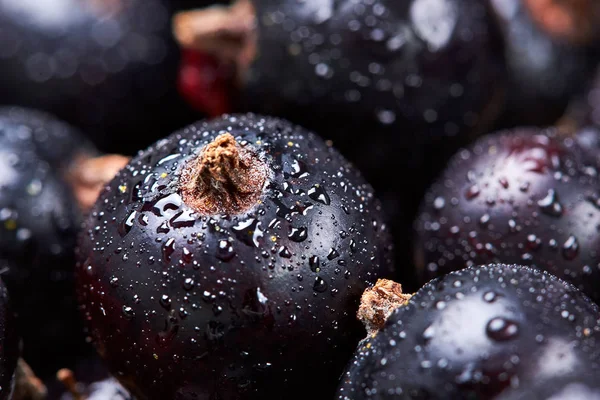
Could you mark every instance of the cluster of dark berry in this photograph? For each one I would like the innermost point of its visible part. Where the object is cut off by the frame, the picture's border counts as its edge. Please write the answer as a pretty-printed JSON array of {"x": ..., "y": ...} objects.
[{"x": 326, "y": 154}]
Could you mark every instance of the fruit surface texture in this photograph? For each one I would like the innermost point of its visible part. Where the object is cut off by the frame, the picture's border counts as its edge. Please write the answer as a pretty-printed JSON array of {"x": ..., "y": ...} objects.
[{"x": 236, "y": 283}]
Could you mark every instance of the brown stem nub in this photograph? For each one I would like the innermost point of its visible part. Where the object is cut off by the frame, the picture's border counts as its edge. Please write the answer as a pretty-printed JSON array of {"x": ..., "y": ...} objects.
[
  {"x": 575, "y": 21},
  {"x": 88, "y": 176},
  {"x": 225, "y": 32},
  {"x": 27, "y": 385},
  {"x": 378, "y": 302},
  {"x": 67, "y": 378},
  {"x": 225, "y": 178}
]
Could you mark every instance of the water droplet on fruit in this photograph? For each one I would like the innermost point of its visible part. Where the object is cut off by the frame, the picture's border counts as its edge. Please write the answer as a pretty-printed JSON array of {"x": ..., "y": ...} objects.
[
  {"x": 284, "y": 252},
  {"x": 168, "y": 249},
  {"x": 313, "y": 262},
  {"x": 170, "y": 202},
  {"x": 472, "y": 192},
  {"x": 490, "y": 297},
  {"x": 320, "y": 285},
  {"x": 317, "y": 193},
  {"x": 187, "y": 255},
  {"x": 163, "y": 228},
  {"x": 429, "y": 333},
  {"x": 143, "y": 219},
  {"x": 570, "y": 248},
  {"x": 249, "y": 231},
  {"x": 188, "y": 284},
  {"x": 165, "y": 301},
  {"x": 183, "y": 219},
  {"x": 501, "y": 329},
  {"x": 298, "y": 234},
  {"x": 127, "y": 224},
  {"x": 299, "y": 169},
  {"x": 128, "y": 312},
  {"x": 225, "y": 250},
  {"x": 333, "y": 253},
  {"x": 550, "y": 204}
]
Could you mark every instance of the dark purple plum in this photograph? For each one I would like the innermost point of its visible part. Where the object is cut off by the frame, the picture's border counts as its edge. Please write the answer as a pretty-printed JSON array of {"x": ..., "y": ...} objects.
[
  {"x": 478, "y": 333},
  {"x": 526, "y": 196},
  {"x": 227, "y": 260},
  {"x": 397, "y": 85},
  {"x": 550, "y": 49},
  {"x": 9, "y": 345},
  {"x": 108, "y": 67},
  {"x": 417, "y": 64}
]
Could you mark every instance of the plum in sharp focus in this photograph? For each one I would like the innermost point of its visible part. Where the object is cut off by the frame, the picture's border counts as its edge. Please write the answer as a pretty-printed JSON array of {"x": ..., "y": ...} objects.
[
  {"x": 527, "y": 196},
  {"x": 478, "y": 333},
  {"x": 227, "y": 260}
]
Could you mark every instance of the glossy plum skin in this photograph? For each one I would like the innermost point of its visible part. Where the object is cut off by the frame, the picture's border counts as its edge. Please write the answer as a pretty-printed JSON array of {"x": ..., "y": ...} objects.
[
  {"x": 526, "y": 196},
  {"x": 183, "y": 306},
  {"x": 39, "y": 222},
  {"x": 9, "y": 344},
  {"x": 107, "y": 67},
  {"x": 477, "y": 333}
]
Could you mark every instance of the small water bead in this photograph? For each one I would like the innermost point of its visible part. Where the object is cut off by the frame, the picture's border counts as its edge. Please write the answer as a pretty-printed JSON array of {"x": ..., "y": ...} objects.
[
  {"x": 165, "y": 301},
  {"x": 550, "y": 204},
  {"x": 182, "y": 219},
  {"x": 284, "y": 252},
  {"x": 168, "y": 248},
  {"x": 225, "y": 250},
  {"x": 570, "y": 249},
  {"x": 320, "y": 285},
  {"x": 472, "y": 192},
  {"x": 170, "y": 202},
  {"x": 187, "y": 256},
  {"x": 298, "y": 234},
  {"x": 163, "y": 228},
  {"x": 317, "y": 193},
  {"x": 127, "y": 224},
  {"x": 439, "y": 203},
  {"x": 502, "y": 329},
  {"x": 128, "y": 312},
  {"x": 490, "y": 296},
  {"x": 429, "y": 333},
  {"x": 333, "y": 253},
  {"x": 314, "y": 263}
]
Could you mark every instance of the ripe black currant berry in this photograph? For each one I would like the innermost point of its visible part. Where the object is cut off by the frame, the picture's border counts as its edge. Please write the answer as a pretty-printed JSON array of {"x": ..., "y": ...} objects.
[
  {"x": 550, "y": 55},
  {"x": 419, "y": 76},
  {"x": 474, "y": 334},
  {"x": 417, "y": 63},
  {"x": 226, "y": 261},
  {"x": 107, "y": 67},
  {"x": 39, "y": 222},
  {"x": 526, "y": 196},
  {"x": 9, "y": 346}
]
